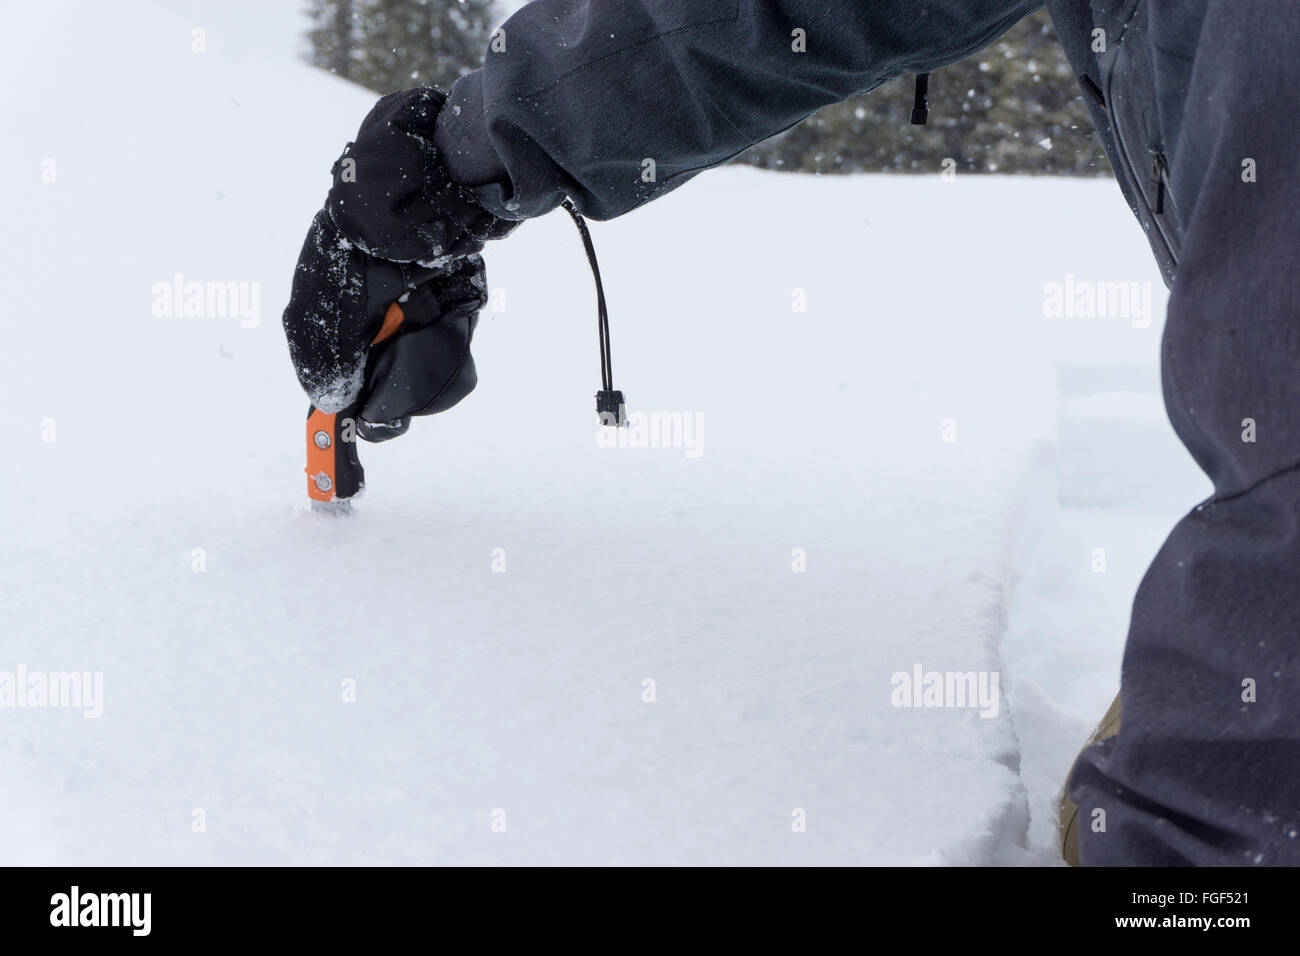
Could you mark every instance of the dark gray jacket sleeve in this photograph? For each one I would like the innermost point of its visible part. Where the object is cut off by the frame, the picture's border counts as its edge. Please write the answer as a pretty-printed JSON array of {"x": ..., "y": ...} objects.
[{"x": 575, "y": 96}]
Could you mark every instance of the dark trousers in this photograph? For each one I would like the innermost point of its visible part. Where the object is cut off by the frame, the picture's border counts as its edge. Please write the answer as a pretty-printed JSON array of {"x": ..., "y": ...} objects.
[{"x": 1206, "y": 767}]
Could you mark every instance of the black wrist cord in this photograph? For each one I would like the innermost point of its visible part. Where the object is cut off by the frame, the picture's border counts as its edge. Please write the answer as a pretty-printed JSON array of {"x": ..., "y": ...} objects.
[{"x": 609, "y": 402}]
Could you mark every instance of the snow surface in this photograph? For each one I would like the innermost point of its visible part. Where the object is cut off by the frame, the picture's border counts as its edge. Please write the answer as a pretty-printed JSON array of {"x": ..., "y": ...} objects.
[{"x": 484, "y": 696}]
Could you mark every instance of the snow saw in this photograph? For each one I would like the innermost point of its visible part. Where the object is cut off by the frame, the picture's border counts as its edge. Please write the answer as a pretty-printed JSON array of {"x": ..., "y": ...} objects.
[{"x": 334, "y": 472}]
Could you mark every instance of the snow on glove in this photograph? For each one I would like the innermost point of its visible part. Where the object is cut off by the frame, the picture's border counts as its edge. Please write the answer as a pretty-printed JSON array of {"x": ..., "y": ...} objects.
[
  {"x": 392, "y": 221},
  {"x": 336, "y": 306}
]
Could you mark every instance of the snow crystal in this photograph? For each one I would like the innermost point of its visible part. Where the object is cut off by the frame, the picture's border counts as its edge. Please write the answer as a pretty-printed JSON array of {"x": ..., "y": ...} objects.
[{"x": 338, "y": 393}]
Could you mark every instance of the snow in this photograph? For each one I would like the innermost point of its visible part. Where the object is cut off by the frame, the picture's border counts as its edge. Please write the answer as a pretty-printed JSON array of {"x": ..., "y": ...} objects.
[{"x": 499, "y": 600}]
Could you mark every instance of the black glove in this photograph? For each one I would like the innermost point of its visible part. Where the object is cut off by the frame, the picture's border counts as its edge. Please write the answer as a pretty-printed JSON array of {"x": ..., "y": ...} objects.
[
  {"x": 392, "y": 195},
  {"x": 427, "y": 366},
  {"x": 394, "y": 225}
]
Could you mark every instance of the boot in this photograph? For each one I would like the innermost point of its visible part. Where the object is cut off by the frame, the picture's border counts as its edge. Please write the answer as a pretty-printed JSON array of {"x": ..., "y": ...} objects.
[{"x": 1108, "y": 727}]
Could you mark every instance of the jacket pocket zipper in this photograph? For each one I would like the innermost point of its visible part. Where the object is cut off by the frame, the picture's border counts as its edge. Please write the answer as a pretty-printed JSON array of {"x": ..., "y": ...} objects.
[
  {"x": 1156, "y": 219},
  {"x": 1158, "y": 169}
]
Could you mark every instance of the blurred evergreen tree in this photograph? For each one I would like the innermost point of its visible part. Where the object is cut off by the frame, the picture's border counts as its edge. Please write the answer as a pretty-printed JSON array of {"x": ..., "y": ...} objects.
[
  {"x": 389, "y": 45},
  {"x": 1014, "y": 107},
  {"x": 332, "y": 35}
]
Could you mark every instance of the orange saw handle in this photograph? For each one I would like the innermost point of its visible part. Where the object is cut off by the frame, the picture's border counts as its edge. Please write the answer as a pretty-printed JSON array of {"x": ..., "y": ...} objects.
[{"x": 334, "y": 472}]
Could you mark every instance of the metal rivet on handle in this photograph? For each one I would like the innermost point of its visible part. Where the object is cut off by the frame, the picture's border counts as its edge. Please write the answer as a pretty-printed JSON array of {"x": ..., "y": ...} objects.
[
  {"x": 322, "y": 439},
  {"x": 323, "y": 482}
]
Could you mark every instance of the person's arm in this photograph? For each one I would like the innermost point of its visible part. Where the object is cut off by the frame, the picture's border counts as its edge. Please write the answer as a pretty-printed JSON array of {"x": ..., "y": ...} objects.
[{"x": 575, "y": 96}]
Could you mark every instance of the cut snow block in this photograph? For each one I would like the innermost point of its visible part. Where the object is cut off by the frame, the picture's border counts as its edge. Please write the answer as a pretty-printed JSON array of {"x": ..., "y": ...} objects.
[
  {"x": 1115, "y": 446},
  {"x": 1081, "y": 379}
]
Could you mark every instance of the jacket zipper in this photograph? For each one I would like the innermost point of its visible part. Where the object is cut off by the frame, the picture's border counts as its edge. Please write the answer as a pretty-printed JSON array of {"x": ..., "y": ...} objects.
[
  {"x": 1158, "y": 167},
  {"x": 1158, "y": 170}
]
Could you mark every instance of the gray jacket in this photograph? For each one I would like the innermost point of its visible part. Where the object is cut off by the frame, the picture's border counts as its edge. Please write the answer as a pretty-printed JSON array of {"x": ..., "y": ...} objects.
[{"x": 576, "y": 95}]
